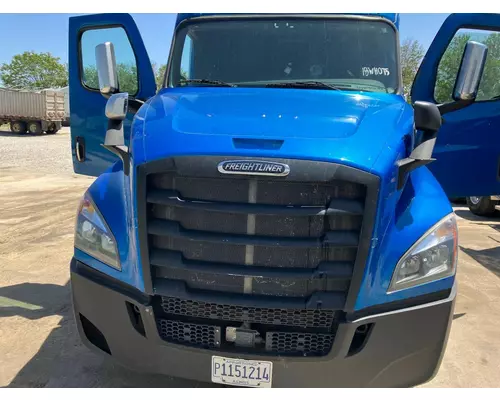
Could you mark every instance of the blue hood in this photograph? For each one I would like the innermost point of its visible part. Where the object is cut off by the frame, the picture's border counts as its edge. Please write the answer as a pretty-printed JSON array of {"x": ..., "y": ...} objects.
[{"x": 349, "y": 127}]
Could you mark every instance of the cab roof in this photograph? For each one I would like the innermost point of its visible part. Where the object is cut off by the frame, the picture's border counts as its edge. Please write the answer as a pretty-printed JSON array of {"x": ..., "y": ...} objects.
[{"x": 394, "y": 18}]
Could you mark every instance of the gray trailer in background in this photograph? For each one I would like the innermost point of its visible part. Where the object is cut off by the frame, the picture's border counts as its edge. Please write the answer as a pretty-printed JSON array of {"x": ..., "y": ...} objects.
[
  {"x": 65, "y": 90},
  {"x": 33, "y": 112}
]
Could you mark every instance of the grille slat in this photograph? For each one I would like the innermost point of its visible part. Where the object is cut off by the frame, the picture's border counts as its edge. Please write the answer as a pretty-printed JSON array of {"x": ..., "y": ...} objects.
[
  {"x": 271, "y": 192},
  {"x": 296, "y": 282},
  {"x": 272, "y": 316},
  {"x": 336, "y": 206},
  {"x": 172, "y": 229},
  {"x": 264, "y": 256}
]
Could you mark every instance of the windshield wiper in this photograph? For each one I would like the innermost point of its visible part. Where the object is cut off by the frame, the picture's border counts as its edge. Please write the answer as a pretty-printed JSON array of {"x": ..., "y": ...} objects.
[
  {"x": 304, "y": 85},
  {"x": 207, "y": 82}
]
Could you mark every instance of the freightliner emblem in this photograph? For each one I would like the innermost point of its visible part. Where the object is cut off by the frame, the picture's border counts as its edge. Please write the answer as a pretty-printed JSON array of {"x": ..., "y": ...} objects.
[{"x": 251, "y": 167}]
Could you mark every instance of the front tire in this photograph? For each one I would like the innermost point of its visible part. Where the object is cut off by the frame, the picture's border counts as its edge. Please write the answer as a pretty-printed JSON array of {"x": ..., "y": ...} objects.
[
  {"x": 482, "y": 206},
  {"x": 34, "y": 127}
]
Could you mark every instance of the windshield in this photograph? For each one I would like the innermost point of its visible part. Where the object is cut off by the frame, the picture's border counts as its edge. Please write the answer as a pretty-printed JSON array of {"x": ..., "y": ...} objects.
[{"x": 347, "y": 53}]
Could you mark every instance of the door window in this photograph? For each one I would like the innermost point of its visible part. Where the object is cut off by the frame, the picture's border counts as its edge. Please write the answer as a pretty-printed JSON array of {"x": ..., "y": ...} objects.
[
  {"x": 489, "y": 87},
  {"x": 125, "y": 59}
]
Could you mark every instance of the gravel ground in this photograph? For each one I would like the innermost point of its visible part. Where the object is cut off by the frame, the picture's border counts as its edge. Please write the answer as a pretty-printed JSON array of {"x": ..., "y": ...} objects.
[{"x": 44, "y": 153}]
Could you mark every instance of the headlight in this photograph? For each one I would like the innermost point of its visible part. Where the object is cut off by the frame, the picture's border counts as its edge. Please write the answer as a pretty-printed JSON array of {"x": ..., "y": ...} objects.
[
  {"x": 93, "y": 236},
  {"x": 432, "y": 257}
]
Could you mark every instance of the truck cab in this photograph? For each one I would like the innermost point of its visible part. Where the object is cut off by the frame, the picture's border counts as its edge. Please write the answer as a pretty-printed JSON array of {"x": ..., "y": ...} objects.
[{"x": 276, "y": 213}]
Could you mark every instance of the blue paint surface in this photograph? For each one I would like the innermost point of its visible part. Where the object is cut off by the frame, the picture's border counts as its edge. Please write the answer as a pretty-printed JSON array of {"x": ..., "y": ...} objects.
[
  {"x": 320, "y": 125},
  {"x": 368, "y": 131}
]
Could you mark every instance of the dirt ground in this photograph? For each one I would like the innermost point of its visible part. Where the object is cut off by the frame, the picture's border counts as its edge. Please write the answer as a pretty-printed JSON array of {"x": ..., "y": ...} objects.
[{"x": 38, "y": 340}]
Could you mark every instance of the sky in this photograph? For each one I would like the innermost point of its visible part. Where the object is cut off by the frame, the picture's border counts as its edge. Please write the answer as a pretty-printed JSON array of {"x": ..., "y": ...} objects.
[{"x": 49, "y": 33}]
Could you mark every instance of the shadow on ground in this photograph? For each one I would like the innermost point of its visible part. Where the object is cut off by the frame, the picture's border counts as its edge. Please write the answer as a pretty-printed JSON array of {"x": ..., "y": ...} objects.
[
  {"x": 488, "y": 258},
  {"x": 466, "y": 214},
  {"x": 62, "y": 360}
]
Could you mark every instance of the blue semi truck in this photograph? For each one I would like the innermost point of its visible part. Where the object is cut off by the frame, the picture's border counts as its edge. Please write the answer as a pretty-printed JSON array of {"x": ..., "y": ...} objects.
[{"x": 276, "y": 214}]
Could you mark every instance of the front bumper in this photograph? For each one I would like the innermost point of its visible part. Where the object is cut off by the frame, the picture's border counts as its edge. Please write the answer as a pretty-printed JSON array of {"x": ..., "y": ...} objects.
[{"x": 404, "y": 347}]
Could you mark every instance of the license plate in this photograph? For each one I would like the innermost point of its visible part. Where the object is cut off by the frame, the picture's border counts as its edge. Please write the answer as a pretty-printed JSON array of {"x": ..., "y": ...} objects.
[{"x": 232, "y": 371}]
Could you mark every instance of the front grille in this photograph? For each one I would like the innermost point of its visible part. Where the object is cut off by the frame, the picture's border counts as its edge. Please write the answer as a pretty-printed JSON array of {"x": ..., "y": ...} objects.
[
  {"x": 271, "y": 316},
  {"x": 205, "y": 336},
  {"x": 293, "y": 343},
  {"x": 273, "y": 254},
  {"x": 282, "y": 343},
  {"x": 233, "y": 233}
]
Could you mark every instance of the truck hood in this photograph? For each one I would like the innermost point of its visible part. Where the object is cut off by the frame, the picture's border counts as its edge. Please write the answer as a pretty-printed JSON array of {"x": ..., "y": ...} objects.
[{"x": 333, "y": 125}]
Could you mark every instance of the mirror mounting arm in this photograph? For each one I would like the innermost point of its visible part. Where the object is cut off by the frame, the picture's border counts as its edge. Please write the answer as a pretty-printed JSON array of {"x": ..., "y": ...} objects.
[
  {"x": 454, "y": 106},
  {"x": 428, "y": 120},
  {"x": 123, "y": 153},
  {"x": 114, "y": 143},
  {"x": 134, "y": 105}
]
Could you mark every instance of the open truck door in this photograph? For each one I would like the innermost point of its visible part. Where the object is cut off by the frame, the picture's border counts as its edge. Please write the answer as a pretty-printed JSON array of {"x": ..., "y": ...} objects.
[
  {"x": 467, "y": 150},
  {"x": 135, "y": 76}
]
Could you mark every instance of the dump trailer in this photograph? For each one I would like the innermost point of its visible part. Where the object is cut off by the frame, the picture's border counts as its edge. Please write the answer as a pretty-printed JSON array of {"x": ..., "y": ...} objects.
[
  {"x": 65, "y": 91},
  {"x": 269, "y": 216},
  {"x": 32, "y": 111}
]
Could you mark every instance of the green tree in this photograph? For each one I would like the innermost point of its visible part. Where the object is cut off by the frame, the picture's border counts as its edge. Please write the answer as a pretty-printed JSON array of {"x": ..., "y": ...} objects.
[
  {"x": 450, "y": 63},
  {"x": 90, "y": 77},
  {"x": 34, "y": 71},
  {"x": 127, "y": 77},
  {"x": 412, "y": 53},
  {"x": 159, "y": 75}
]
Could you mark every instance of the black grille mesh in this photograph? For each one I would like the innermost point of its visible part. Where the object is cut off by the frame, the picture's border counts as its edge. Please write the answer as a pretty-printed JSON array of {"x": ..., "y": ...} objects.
[
  {"x": 206, "y": 336},
  {"x": 271, "y": 316},
  {"x": 293, "y": 343}
]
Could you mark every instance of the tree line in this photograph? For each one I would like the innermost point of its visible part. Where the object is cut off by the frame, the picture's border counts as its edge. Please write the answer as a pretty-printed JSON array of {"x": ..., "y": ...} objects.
[{"x": 35, "y": 71}]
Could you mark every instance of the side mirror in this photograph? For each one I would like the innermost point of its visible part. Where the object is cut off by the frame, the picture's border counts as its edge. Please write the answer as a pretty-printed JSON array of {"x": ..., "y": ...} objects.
[
  {"x": 427, "y": 116},
  {"x": 117, "y": 106},
  {"x": 470, "y": 72},
  {"x": 106, "y": 68}
]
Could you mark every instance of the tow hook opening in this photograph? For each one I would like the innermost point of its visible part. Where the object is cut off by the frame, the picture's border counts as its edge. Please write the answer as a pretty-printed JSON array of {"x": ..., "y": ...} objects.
[
  {"x": 359, "y": 339},
  {"x": 135, "y": 318}
]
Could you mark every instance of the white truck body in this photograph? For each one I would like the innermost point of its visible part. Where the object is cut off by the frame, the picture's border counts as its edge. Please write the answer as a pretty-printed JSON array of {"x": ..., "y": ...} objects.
[
  {"x": 47, "y": 105},
  {"x": 64, "y": 90}
]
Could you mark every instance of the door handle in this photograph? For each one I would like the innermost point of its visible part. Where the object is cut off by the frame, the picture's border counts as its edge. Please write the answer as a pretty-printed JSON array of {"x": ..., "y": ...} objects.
[{"x": 80, "y": 149}]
